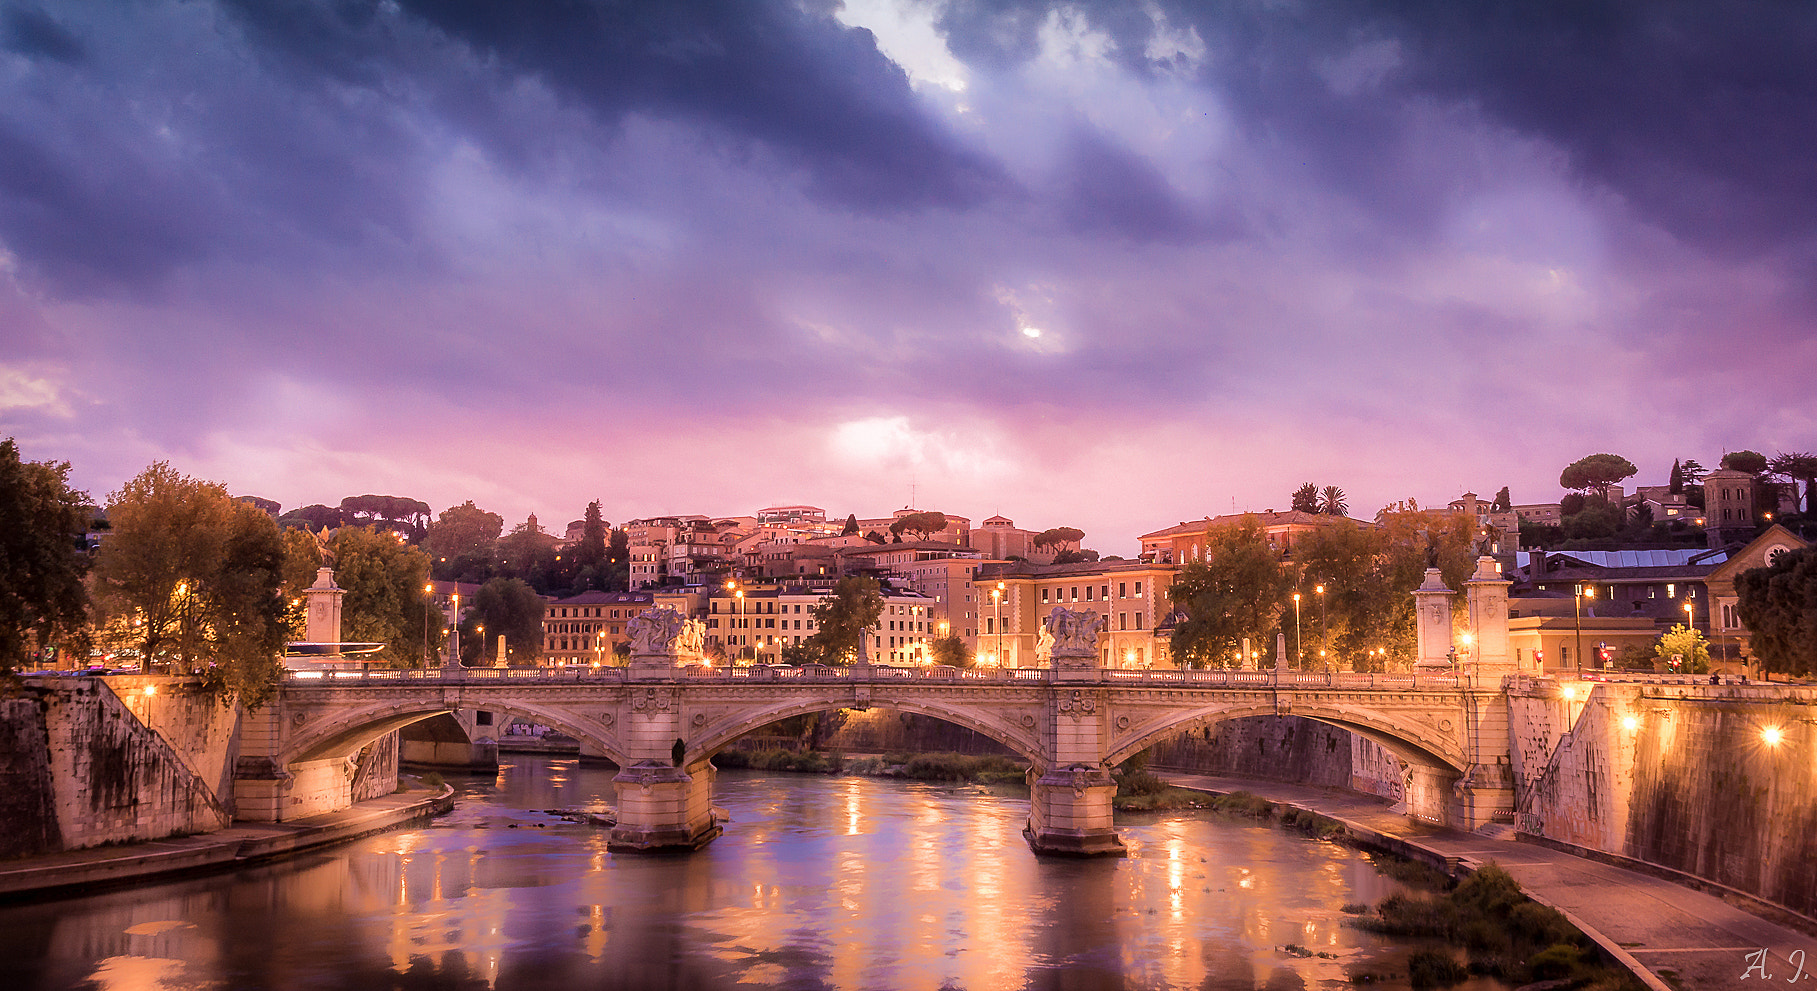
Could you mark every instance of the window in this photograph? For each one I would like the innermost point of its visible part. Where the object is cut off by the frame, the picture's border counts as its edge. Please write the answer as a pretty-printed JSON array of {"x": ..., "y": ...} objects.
[
  {"x": 1671, "y": 590},
  {"x": 1088, "y": 593},
  {"x": 1138, "y": 621},
  {"x": 1075, "y": 593},
  {"x": 1044, "y": 597},
  {"x": 990, "y": 625},
  {"x": 1104, "y": 592},
  {"x": 1122, "y": 621},
  {"x": 1138, "y": 590},
  {"x": 1122, "y": 590}
]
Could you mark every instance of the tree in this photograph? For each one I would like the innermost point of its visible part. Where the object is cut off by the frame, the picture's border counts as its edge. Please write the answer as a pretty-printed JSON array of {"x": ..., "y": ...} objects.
[
  {"x": 43, "y": 527},
  {"x": 1503, "y": 502},
  {"x": 1075, "y": 557},
  {"x": 1693, "y": 471},
  {"x": 1778, "y": 603},
  {"x": 191, "y": 579},
  {"x": 1752, "y": 462},
  {"x": 842, "y": 619},
  {"x": 1596, "y": 520},
  {"x": 1306, "y": 498},
  {"x": 1798, "y": 467},
  {"x": 1596, "y": 472},
  {"x": 951, "y": 651},
  {"x": 591, "y": 568},
  {"x": 269, "y": 507},
  {"x": 618, "y": 559},
  {"x": 1688, "y": 646},
  {"x": 1675, "y": 483},
  {"x": 315, "y": 517},
  {"x": 1239, "y": 591},
  {"x": 1331, "y": 501},
  {"x": 462, "y": 541},
  {"x": 920, "y": 526},
  {"x": 385, "y": 602},
  {"x": 851, "y": 526},
  {"x": 508, "y": 607},
  {"x": 1058, "y": 536}
]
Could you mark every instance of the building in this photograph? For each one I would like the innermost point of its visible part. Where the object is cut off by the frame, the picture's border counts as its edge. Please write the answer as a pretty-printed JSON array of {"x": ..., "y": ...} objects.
[
  {"x": 1000, "y": 538},
  {"x": 1500, "y": 531},
  {"x": 1011, "y": 599},
  {"x": 753, "y": 622},
  {"x": 1186, "y": 541},
  {"x": 1722, "y": 623},
  {"x": 1617, "y": 598},
  {"x": 1729, "y": 506},
  {"x": 588, "y": 628}
]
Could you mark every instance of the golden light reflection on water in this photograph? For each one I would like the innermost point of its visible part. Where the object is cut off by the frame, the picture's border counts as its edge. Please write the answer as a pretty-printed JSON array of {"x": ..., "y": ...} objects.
[{"x": 930, "y": 886}]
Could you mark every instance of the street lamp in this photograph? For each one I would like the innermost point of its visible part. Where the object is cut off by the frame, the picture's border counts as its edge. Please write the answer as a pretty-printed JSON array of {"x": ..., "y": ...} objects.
[
  {"x": 1577, "y": 598},
  {"x": 1299, "y": 655},
  {"x": 1324, "y": 630},
  {"x": 997, "y": 607},
  {"x": 429, "y": 600},
  {"x": 454, "y": 642}
]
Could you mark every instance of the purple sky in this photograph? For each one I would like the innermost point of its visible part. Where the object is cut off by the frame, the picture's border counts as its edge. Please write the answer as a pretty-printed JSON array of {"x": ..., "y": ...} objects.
[{"x": 1103, "y": 265}]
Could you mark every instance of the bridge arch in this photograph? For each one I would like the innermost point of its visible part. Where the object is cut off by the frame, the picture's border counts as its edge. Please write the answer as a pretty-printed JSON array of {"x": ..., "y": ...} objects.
[
  {"x": 1411, "y": 741},
  {"x": 1021, "y": 741},
  {"x": 345, "y": 733}
]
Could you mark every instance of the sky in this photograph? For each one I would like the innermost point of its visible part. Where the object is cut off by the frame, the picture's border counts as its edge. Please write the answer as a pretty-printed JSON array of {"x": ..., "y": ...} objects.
[{"x": 1104, "y": 265}]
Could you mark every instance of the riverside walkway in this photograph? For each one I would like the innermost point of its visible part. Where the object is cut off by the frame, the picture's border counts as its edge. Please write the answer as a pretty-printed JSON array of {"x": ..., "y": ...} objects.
[{"x": 1674, "y": 938}]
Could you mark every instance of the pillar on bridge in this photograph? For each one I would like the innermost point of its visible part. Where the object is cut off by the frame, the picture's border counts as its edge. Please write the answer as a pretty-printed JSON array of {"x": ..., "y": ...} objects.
[
  {"x": 1432, "y": 611},
  {"x": 663, "y": 806},
  {"x": 1070, "y": 791},
  {"x": 322, "y": 609}
]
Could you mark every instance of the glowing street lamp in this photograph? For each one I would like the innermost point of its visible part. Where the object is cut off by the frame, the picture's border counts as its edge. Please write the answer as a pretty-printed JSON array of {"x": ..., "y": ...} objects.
[
  {"x": 997, "y": 607},
  {"x": 1299, "y": 655},
  {"x": 1324, "y": 630},
  {"x": 1578, "y": 596}
]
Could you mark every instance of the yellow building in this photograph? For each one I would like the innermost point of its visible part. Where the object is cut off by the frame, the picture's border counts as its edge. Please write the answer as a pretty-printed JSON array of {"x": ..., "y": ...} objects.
[
  {"x": 587, "y": 628},
  {"x": 1012, "y": 599}
]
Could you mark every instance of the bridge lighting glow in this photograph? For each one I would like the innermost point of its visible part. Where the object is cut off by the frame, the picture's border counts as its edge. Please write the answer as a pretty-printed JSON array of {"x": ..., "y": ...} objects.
[
  {"x": 151, "y": 690},
  {"x": 1629, "y": 723},
  {"x": 1772, "y": 735},
  {"x": 1570, "y": 693}
]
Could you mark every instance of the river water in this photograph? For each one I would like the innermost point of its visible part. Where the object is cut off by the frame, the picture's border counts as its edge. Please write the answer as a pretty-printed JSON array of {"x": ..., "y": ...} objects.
[{"x": 818, "y": 882}]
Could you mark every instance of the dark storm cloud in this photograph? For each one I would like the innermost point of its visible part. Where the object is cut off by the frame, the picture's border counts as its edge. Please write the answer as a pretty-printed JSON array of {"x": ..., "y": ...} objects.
[
  {"x": 817, "y": 92},
  {"x": 1699, "y": 115},
  {"x": 31, "y": 32},
  {"x": 1107, "y": 189}
]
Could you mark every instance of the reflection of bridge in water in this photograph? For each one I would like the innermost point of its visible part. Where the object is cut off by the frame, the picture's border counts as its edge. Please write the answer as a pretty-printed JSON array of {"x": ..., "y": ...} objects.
[{"x": 662, "y": 723}]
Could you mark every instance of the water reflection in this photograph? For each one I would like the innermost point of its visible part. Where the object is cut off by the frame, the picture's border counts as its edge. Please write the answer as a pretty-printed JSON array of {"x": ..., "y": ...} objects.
[{"x": 818, "y": 882}]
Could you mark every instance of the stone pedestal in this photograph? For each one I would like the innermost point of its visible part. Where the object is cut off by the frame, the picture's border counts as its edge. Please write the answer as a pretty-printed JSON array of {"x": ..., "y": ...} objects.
[
  {"x": 1075, "y": 643},
  {"x": 1070, "y": 814},
  {"x": 663, "y": 808},
  {"x": 1432, "y": 611},
  {"x": 322, "y": 608},
  {"x": 1486, "y": 598}
]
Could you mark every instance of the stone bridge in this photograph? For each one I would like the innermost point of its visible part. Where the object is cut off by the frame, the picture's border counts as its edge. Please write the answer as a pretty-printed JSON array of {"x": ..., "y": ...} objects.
[
  {"x": 661, "y": 720},
  {"x": 662, "y": 727}
]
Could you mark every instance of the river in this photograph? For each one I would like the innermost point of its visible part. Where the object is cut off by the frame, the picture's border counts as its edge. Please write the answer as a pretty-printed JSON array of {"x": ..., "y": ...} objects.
[{"x": 818, "y": 882}]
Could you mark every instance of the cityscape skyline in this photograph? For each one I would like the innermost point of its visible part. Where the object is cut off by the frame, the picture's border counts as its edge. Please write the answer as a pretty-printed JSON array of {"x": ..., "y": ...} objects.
[{"x": 1090, "y": 265}]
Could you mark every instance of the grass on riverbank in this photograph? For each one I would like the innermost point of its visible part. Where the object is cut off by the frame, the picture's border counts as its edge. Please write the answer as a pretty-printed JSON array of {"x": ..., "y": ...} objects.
[
  {"x": 1505, "y": 935},
  {"x": 803, "y": 762},
  {"x": 996, "y": 771}
]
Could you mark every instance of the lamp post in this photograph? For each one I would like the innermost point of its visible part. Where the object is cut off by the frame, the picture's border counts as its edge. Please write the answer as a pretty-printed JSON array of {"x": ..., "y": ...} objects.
[
  {"x": 997, "y": 606},
  {"x": 1324, "y": 630},
  {"x": 428, "y": 602},
  {"x": 454, "y": 642},
  {"x": 1577, "y": 598},
  {"x": 1299, "y": 655}
]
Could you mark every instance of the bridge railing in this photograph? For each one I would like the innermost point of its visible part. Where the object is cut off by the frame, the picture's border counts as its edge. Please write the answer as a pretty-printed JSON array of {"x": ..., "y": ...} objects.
[{"x": 817, "y": 673}]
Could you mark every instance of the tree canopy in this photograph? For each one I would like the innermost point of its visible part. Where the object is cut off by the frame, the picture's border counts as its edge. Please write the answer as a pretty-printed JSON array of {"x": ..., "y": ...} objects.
[
  {"x": 1684, "y": 650},
  {"x": 508, "y": 607},
  {"x": 1238, "y": 591},
  {"x": 1596, "y": 472},
  {"x": 920, "y": 526},
  {"x": 1332, "y": 501},
  {"x": 1752, "y": 462},
  {"x": 386, "y": 602},
  {"x": 191, "y": 579},
  {"x": 43, "y": 522},
  {"x": 1778, "y": 603},
  {"x": 462, "y": 541},
  {"x": 1306, "y": 499},
  {"x": 1798, "y": 467},
  {"x": 842, "y": 619},
  {"x": 1503, "y": 502},
  {"x": 1058, "y": 536}
]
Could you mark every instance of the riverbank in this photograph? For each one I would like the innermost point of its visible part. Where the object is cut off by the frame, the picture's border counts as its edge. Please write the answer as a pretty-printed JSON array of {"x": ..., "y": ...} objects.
[
  {"x": 1671, "y": 937},
  {"x": 83, "y": 871}
]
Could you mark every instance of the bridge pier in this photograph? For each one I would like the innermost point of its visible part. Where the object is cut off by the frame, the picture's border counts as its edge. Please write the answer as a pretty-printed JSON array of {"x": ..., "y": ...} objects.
[
  {"x": 663, "y": 808},
  {"x": 1069, "y": 812}
]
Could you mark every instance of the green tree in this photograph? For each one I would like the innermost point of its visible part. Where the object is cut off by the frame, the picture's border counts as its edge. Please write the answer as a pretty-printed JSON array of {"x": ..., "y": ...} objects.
[
  {"x": 508, "y": 607},
  {"x": 618, "y": 559},
  {"x": 313, "y": 517},
  {"x": 302, "y": 556},
  {"x": 1675, "y": 482},
  {"x": 851, "y": 526},
  {"x": 1058, "y": 536},
  {"x": 919, "y": 526},
  {"x": 842, "y": 619},
  {"x": 1332, "y": 503},
  {"x": 951, "y": 651},
  {"x": 385, "y": 602},
  {"x": 1799, "y": 467},
  {"x": 1503, "y": 502},
  {"x": 43, "y": 527},
  {"x": 462, "y": 541},
  {"x": 1778, "y": 603},
  {"x": 593, "y": 532},
  {"x": 1306, "y": 498},
  {"x": 192, "y": 580},
  {"x": 1686, "y": 644},
  {"x": 1596, "y": 473},
  {"x": 1752, "y": 462},
  {"x": 1238, "y": 591},
  {"x": 1596, "y": 520}
]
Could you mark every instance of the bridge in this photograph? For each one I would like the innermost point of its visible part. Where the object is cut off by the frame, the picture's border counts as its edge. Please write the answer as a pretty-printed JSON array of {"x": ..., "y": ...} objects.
[{"x": 661, "y": 722}]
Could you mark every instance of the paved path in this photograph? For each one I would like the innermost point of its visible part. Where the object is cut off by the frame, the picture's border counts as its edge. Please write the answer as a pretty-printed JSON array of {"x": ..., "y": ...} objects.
[
  {"x": 75, "y": 870},
  {"x": 1675, "y": 939}
]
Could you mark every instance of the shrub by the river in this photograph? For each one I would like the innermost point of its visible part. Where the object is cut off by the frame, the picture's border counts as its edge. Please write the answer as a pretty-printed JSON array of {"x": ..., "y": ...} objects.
[
  {"x": 1507, "y": 936},
  {"x": 1433, "y": 969},
  {"x": 1311, "y": 823},
  {"x": 805, "y": 762},
  {"x": 1242, "y": 803}
]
